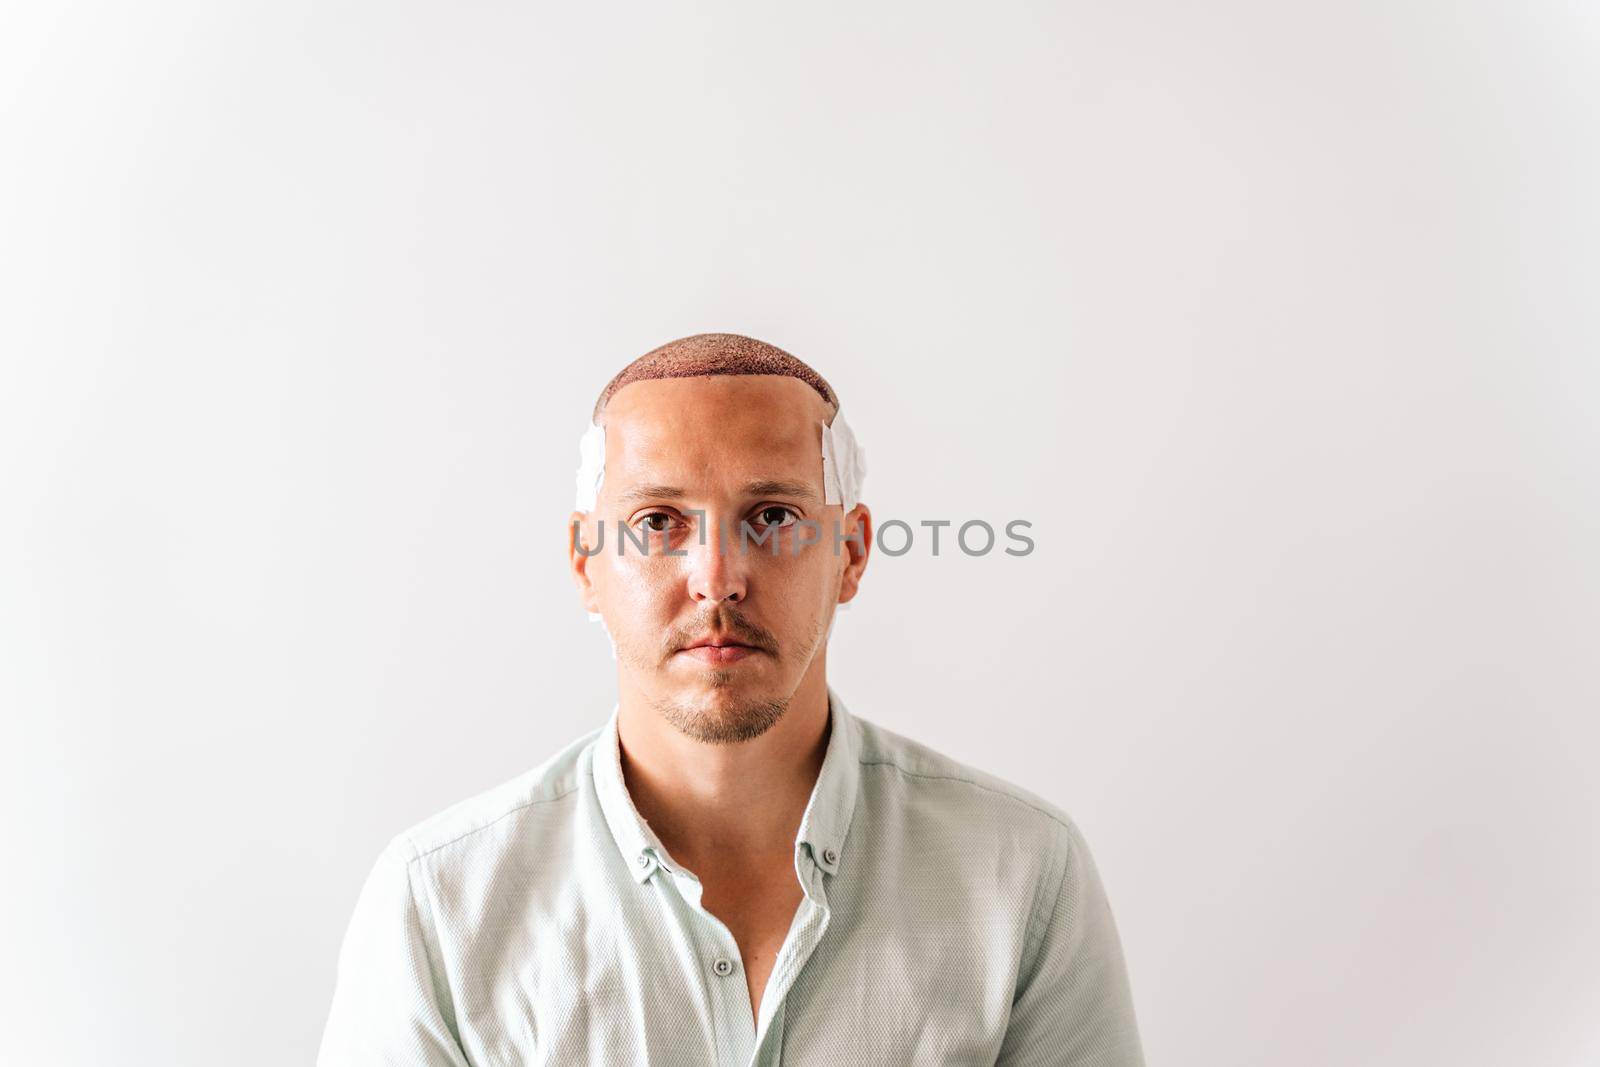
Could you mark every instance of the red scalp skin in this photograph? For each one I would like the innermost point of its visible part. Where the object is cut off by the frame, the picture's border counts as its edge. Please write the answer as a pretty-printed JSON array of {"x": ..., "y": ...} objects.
[{"x": 708, "y": 354}]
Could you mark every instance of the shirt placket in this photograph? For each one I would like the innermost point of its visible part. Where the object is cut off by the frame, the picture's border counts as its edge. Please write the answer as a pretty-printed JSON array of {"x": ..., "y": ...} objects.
[
  {"x": 810, "y": 923},
  {"x": 717, "y": 959},
  {"x": 738, "y": 1038}
]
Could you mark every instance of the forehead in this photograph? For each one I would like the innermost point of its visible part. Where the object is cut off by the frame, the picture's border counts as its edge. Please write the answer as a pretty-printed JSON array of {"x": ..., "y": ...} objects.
[{"x": 704, "y": 433}]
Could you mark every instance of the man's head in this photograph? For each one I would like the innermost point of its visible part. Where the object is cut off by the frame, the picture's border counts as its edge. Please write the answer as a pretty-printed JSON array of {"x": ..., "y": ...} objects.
[{"x": 717, "y": 433}]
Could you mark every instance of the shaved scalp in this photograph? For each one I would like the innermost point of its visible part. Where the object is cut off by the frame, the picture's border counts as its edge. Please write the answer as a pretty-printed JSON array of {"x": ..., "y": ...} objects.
[{"x": 708, "y": 354}]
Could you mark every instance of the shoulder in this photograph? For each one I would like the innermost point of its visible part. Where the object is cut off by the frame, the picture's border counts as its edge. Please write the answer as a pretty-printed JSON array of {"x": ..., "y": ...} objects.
[
  {"x": 536, "y": 801},
  {"x": 995, "y": 844},
  {"x": 964, "y": 798}
]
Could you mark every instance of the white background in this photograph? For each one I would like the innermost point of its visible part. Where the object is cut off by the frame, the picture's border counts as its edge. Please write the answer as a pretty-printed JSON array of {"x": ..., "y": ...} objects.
[{"x": 1278, "y": 321}]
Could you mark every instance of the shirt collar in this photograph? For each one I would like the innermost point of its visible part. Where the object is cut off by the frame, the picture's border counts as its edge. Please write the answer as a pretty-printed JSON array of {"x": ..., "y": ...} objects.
[{"x": 822, "y": 828}]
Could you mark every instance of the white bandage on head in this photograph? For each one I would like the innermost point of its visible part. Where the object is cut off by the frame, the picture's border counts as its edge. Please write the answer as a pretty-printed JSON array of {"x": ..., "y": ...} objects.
[
  {"x": 844, "y": 465},
  {"x": 591, "y": 466}
]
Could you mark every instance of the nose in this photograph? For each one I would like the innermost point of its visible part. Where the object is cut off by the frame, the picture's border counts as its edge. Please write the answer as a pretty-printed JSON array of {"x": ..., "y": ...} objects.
[{"x": 716, "y": 571}]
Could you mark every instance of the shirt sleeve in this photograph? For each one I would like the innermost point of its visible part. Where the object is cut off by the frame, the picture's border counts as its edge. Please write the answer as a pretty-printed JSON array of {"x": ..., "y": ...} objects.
[
  {"x": 1074, "y": 1007},
  {"x": 391, "y": 1004}
]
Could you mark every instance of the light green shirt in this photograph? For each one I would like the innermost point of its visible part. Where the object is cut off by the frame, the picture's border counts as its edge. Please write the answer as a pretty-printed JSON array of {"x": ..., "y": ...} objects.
[{"x": 948, "y": 918}]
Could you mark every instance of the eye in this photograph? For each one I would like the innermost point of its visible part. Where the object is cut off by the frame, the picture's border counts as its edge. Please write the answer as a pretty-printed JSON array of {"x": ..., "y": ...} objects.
[
  {"x": 655, "y": 522},
  {"x": 773, "y": 515}
]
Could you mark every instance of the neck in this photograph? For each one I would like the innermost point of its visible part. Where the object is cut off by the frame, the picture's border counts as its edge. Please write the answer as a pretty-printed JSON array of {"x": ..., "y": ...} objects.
[{"x": 711, "y": 804}]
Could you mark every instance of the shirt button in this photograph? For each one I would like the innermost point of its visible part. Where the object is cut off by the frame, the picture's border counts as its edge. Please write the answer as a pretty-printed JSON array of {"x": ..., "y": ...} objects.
[
  {"x": 829, "y": 856},
  {"x": 644, "y": 859},
  {"x": 723, "y": 967}
]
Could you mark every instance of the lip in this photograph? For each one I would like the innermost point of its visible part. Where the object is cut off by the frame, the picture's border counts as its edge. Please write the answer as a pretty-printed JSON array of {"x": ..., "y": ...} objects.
[
  {"x": 718, "y": 650},
  {"x": 719, "y": 653}
]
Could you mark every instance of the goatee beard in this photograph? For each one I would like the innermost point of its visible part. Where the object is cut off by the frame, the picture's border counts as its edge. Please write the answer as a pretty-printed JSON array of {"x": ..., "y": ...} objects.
[{"x": 723, "y": 725}]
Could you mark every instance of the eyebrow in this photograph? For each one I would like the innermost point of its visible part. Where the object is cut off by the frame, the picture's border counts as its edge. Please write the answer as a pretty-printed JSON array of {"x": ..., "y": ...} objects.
[{"x": 766, "y": 487}]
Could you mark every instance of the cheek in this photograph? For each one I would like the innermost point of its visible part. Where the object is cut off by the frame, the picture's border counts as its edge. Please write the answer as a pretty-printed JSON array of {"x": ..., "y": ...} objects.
[
  {"x": 642, "y": 591},
  {"x": 794, "y": 589}
]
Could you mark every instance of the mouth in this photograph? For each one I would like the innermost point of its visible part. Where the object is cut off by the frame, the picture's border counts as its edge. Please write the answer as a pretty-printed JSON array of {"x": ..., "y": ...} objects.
[{"x": 718, "y": 650}]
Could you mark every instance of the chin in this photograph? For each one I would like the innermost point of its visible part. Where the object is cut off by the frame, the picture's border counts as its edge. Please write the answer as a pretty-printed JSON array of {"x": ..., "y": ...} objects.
[
  {"x": 716, "y": 687},
  {"x": 722, "y": 714}
]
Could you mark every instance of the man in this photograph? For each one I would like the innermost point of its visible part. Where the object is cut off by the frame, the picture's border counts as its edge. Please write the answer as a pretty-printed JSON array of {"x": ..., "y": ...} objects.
[{"x": 735, "y": 869}]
